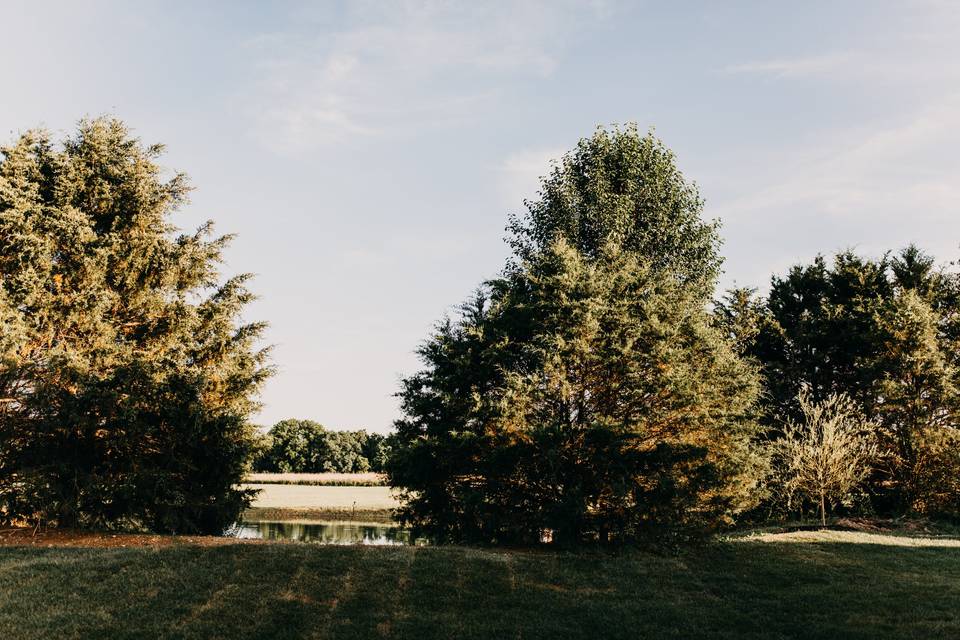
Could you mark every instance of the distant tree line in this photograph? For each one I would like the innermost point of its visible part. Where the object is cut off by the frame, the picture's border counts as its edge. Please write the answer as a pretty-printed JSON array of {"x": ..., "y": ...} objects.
[{"x": 305, "y": 446}]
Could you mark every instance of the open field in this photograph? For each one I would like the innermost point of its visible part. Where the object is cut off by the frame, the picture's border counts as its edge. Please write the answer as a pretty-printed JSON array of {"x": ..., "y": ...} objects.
[
  {"x": 277, "y": 502},
  {"x": 320, "y": 479},
  {"x": 831, "y": 586},
  {"x": 290, "y": 496}
]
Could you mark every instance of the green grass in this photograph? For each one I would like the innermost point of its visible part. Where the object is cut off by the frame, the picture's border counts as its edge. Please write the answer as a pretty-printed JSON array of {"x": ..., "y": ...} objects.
[{"x": 732, "y": 589}]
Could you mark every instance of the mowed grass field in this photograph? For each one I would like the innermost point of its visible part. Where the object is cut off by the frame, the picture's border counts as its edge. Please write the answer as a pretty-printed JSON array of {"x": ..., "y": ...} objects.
[{"x": 837, "y": 585}]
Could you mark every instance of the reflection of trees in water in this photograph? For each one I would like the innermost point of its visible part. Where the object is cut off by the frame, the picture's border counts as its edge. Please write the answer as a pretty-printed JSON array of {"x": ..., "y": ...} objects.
[{"x": 327, "y": 533}]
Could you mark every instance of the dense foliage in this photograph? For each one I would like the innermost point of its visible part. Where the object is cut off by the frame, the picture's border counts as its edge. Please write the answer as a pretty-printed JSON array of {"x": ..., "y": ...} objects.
[
  {"x": 621, "y": 189},
  {"x": 884, "y": 332},
  {"x": 305, "y": 446},
  {"x": 585, "y": 393},
  {"x": 126, "y": 377}
]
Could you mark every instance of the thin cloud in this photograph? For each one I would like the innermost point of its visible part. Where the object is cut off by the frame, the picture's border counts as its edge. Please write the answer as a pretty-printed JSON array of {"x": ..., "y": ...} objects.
[
  {"x": 922, "y": 47},
  {"x": 882, "y": 174},
  {"x": 801, "y": 66},
  {"x": 394, "y": 68},
  {"x": 897, "y": 167}
]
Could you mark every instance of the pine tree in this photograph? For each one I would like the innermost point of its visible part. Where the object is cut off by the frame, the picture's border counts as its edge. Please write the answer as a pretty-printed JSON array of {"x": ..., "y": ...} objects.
[
  {"x": 916, "y": 405},
  {"x": 585, "y": 391},
  {"x": 127, "y": 376}
]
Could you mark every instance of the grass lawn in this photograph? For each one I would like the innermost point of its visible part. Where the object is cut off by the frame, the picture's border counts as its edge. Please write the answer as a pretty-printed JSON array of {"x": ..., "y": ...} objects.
[{"x": 789, "y": 586}]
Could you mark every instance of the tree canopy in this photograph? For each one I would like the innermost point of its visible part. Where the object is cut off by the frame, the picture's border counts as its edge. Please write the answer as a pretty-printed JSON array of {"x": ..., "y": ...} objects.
[
  {"x": 623, "y": 189},
  {"x": 126, "y": 374},
  {"x": 585, "y": 393}
]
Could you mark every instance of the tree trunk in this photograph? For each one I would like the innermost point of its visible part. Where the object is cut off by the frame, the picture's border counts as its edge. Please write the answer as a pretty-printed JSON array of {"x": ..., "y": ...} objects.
[{"x": 823, "y": 510}]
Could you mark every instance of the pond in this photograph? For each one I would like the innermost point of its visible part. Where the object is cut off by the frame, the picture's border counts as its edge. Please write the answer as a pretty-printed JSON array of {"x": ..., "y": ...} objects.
[{"x": 332, "y": 532}]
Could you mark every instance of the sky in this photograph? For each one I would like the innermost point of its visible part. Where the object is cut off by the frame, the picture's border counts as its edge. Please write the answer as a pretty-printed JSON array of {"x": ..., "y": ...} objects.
[{"x": 367, "y": 154}]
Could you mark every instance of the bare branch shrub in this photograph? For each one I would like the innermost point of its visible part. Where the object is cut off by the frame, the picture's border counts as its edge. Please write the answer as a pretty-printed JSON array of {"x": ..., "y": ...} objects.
[{"x": 822, "y": 458}]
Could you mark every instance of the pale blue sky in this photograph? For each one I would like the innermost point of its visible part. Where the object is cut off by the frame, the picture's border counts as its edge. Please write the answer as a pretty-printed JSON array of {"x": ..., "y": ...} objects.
[{"x": 368, "y": 154}]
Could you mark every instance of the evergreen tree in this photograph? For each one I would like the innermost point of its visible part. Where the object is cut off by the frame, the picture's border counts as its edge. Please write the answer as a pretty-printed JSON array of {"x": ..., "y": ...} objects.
[
  {"x": 741, "y": 315},
  {"x": 585, "y": 392},
  {"x": 127, "y": 377},
  {"x": 916, "y": 402},
  {"x": 821, "y": 331}
]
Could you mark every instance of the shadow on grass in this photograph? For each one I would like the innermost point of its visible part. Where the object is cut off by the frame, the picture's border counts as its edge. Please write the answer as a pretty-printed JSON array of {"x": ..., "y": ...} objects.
[{"x": 734, "y": 589}]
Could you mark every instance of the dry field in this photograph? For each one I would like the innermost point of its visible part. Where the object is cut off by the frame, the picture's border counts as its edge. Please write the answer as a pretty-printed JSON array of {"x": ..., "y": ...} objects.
[
  {"x": 293, "y": 496},
  {"x": 322, "y": 479}
]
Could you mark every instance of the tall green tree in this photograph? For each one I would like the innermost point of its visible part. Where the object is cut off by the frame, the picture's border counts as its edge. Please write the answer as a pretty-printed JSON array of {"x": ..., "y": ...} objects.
[
  {"x": 916, "y": 403},
  {"x": 620, "y": 188},
  {"x": 586, "y": 391},
  {"x": 127, "y": 377}
]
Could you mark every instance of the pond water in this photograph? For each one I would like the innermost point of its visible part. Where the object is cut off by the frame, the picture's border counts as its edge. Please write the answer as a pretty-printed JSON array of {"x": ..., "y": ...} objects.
[{"x": 333, "y": 532}]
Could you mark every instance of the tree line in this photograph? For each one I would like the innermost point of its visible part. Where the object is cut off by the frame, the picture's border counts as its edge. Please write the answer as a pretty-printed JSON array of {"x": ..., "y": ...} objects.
[
  {"x": 305, "y": 446},
  {"x": 880, "y": 334},
  {"x": 598, "y": 389}
]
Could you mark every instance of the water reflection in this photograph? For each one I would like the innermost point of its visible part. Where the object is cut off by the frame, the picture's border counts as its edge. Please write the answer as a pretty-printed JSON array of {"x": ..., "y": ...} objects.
[{"x": 325, "y": 532}]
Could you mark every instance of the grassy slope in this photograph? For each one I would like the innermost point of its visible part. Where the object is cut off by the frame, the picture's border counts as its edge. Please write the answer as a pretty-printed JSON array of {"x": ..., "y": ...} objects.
[{"x": 741, "y": 589}]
